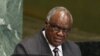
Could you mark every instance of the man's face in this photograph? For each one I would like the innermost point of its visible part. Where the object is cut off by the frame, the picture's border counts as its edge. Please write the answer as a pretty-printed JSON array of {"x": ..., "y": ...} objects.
[{"x": 58, "y": 28}]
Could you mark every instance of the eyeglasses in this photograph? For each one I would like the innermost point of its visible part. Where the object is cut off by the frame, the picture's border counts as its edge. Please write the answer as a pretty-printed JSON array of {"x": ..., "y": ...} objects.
[{"x": 57, "y": 28}]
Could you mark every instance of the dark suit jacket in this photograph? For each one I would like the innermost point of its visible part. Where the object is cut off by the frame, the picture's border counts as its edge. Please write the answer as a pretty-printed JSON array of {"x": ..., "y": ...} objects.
[{"x": 38, "y": 46}]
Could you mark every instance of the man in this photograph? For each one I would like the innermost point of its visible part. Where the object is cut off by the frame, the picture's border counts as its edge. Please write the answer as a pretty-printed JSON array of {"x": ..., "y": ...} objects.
[{"x": 52, "y": 40}]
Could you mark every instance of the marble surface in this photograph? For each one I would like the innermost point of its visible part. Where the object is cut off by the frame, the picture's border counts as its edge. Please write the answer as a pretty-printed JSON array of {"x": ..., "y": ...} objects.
[{"x": 10, "y": 25}]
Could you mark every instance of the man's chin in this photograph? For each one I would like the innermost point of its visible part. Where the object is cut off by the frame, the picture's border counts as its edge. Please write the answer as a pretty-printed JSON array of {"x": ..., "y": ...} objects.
[{"x": 57, "y": 44}]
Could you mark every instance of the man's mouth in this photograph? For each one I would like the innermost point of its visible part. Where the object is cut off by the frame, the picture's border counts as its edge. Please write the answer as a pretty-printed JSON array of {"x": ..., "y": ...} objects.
[{"x": 58, "y": 40}]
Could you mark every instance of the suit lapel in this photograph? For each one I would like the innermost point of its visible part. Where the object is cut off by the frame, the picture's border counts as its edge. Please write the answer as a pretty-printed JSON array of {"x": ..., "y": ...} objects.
[
  {"x": 45, "y": 49},
  {"x": 66, "y": 49}
]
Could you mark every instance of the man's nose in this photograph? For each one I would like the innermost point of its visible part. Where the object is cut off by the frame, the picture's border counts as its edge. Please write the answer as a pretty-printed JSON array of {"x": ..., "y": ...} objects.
[{"x": 60, "y": 33}]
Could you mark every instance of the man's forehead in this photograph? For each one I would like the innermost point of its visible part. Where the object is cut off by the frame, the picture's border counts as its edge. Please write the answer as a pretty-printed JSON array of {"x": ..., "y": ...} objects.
[
  {"x": 61, "y": 19},
  {"x": 60, "y": 15}
]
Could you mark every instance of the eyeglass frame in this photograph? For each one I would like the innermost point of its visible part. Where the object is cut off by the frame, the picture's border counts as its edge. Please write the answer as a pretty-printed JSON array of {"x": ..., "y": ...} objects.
[{"x": 58, "y": 28}]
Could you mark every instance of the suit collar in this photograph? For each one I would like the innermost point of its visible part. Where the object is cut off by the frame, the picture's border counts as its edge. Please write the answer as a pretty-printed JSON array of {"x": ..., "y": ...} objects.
[
  {"x": 45, "y": 49},
  {"x": 51, "y": 46}
]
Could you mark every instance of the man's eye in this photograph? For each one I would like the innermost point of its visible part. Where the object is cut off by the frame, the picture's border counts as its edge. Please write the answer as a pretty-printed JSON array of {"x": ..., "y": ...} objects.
[{"x": 54, "y": 26}]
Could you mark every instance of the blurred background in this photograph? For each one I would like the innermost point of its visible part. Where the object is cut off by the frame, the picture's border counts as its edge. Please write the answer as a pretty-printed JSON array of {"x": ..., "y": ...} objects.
[{"x": 86, "y": 15}]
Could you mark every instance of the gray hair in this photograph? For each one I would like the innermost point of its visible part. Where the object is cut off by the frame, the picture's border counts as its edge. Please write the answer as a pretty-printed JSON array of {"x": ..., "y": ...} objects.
[{"x": 55, "y": 9}]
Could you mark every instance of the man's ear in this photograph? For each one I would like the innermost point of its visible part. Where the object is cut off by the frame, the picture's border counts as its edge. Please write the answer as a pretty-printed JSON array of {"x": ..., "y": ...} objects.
[{"x": 46, "y": 24}]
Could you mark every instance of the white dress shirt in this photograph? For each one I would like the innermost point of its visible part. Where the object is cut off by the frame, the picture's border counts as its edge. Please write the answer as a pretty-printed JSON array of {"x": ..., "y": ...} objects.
[{"x": 52, "y": 47}]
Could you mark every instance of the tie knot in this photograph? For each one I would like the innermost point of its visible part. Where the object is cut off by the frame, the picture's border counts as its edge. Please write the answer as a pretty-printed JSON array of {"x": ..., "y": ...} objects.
[{"x": 55, "y": 49}]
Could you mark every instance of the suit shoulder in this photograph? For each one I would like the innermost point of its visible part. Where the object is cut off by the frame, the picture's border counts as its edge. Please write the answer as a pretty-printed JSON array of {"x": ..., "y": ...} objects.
[
  {"x": 71, "y": 43},
  {"x": 74, "y": 48},
  {"x": 33, "y": 40},
  {"x": 31, "y": 44}
]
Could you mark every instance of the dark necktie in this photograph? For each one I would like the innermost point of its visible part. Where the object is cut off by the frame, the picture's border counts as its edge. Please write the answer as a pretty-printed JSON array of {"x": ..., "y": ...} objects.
[{"x": 56, "y": 52}]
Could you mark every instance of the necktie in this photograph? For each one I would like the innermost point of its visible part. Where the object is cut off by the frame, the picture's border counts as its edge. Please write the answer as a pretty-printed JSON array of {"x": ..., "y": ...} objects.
[{"x": 56, "y": 52}]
